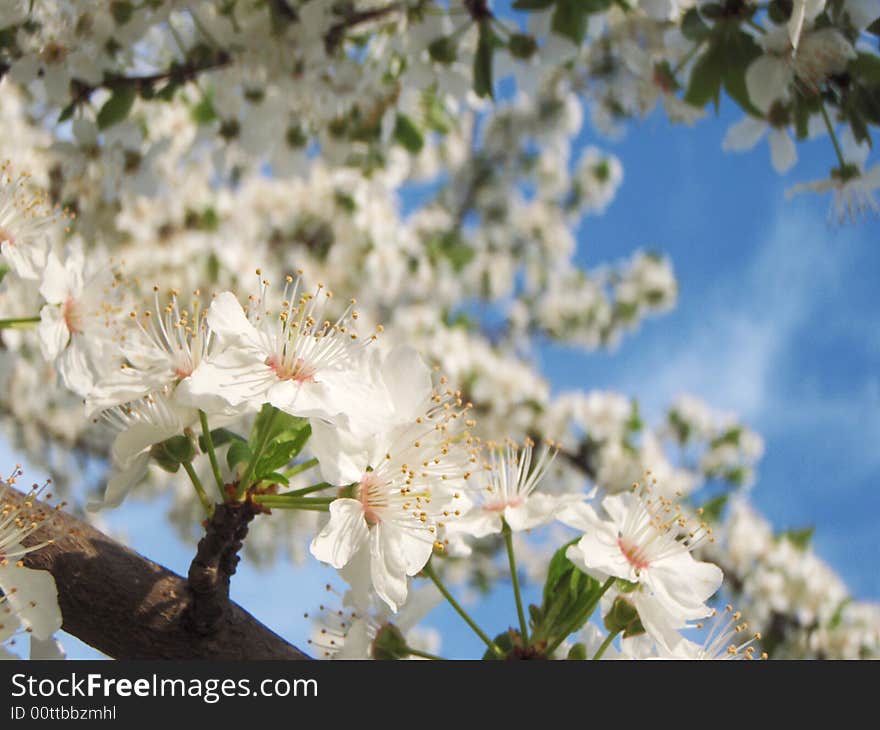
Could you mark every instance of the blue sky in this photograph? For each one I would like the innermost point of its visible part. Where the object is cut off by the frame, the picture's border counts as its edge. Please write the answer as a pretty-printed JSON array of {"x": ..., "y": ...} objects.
[{"x": 777, "y": 320}]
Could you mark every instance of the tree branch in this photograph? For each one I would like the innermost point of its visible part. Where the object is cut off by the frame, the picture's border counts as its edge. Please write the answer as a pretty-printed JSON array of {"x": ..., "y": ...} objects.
[{"x": 129, "y": 607}]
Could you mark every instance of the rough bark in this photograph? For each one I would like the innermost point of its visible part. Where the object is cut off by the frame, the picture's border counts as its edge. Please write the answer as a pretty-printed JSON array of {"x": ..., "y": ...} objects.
[{"x": 129, "y": 607}]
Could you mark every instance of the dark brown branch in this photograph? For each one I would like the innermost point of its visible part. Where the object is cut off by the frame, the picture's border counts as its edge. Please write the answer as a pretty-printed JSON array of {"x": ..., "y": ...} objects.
[
  {"x": 129, "y": 607},
  {"x": 215, "y": 563}
]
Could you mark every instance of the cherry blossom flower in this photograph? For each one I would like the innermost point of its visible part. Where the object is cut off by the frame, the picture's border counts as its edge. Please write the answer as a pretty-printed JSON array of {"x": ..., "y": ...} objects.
[
  {"x": 296, "y": 360},
  {"x": 28, "y": 598},
  {"x": 404, "y": 483},
  {"x": 26, "y": 224},
  {"x": 139, "y": 425},
  {"x": 79, "y": 322},
  {"x": 647, "y": 541},
  {"x": 505, "y": 490}
]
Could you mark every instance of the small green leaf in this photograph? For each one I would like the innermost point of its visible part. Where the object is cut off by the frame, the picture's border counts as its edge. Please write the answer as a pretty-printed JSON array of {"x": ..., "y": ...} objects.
[
  {"x": 204, "y": 112},
  {"x": 622, "y": 616},
  {"x": 800, "y": 538},
  {"x": 570, "y": 20},
  {"x": 443, "y": 49},
  {"x": 239, "y": 453},
  {"x": 121, "y": 10},
  {"x": 116, "y": 108},
  {"x": 706, "y": 78},
  {"x": 866, "y": 66},
  {"x": 577, "y": 653},
  {"x": 66, "y": 113},
  {"x": 529, "y": 5},
  {"x": 275, "y": 478},
  {"x": 483, "y": 59},
  {"x": 407, "y": 133},
  {"x": 693, "y": 27},
  {"x": 219, "y": 437},
  {"x": 521, "y": 45}
]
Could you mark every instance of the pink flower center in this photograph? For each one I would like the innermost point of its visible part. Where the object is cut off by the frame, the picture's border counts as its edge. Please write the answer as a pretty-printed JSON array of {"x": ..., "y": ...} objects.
[
  {"x": 73, "y": 318},
  {"x": 502, "y": 504},
  {"x": 633, "y": 554},
  {"x": 369, "y": 492},
  {"x": 6, "y": 237},
  {"x": 298, "y": 370}
]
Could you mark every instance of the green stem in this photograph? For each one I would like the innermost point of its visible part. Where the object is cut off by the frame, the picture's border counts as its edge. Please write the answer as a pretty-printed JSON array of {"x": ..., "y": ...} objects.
[
  {"x": 511, "y": 559},
  {"x": 605, "y": 644},
  {"x": 200, "y": 490},
  {"x": 308, "y": 490},
  {"x": 252, "y": 464},
  {"x": 209, "y": 445},
  {"x": 830, "y": 129},
  {"x": 18, "y": 323},
  {"x": 428, "y": 570},
  {"x": 581, "y": 618},
  {"x": 277, "y": 500},
  {"x": 305, "y": 466},
  {"x": 423, "y": 654}
]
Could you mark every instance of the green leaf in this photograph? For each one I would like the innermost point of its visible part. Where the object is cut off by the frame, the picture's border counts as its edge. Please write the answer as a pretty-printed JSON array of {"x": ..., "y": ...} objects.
[
  {"x": 116, "y": 108},
  {"x": 276, "y": 478},
  {"x": 693, "y": 27},
  {"x": 866, "y": 66},
  {"x": 577, "y": 653},
  {"x": 711, "y": 510},
  {"x": 483, "y": 59},
  {"x": 570, "y": 20},
  {"x": 443, "y": 49},
  {"x": 706, "y": 79},
  {"x": 521, "y": 45},
  {"x": 219, "y": 437},
  {"x": 121, "y": 10},
  {"x": 239, "y": 453},
  {"x": 282, "y": 450},
  {"x": 529, "y": 5},
  {"x": 66, "y": 113},
  {"x": 739, "y": 51},
  {"x": 800, "y": 538},
  {"x": 204, "y": 112},
  {"x": 407, "y": 133},
  {"x": 568, "y": 592}
]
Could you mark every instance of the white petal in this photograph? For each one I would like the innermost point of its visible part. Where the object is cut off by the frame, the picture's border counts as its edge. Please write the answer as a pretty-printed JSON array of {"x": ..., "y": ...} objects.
[
  {"x": 387, "y": 565},
  {"x": 122, "y": 482},
  {"x": 407, "y": 379},
  {"x": 74, "y": 367},
  {"x": 342, "y": 458},
  {"x": 33, "y": 597},
  {"x": 744, "y": 134},
  {"x": 767, "y": 79},
  {"x": 537, "y": 509},
  {"x": 343, "y": 535},
  {"x": 226, "y": 317},
  {"x": 54, "y": 288},
  {"x": 782, "y": 151},
  {"x": 52, "y": 332},
  {"x": 862, "y": 12}
]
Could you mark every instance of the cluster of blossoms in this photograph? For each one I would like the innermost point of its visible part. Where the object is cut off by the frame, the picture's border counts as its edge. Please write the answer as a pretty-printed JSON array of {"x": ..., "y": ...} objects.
[
  {"x": 28, "y": 598},
  {"x": 351, "y": 107}
]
